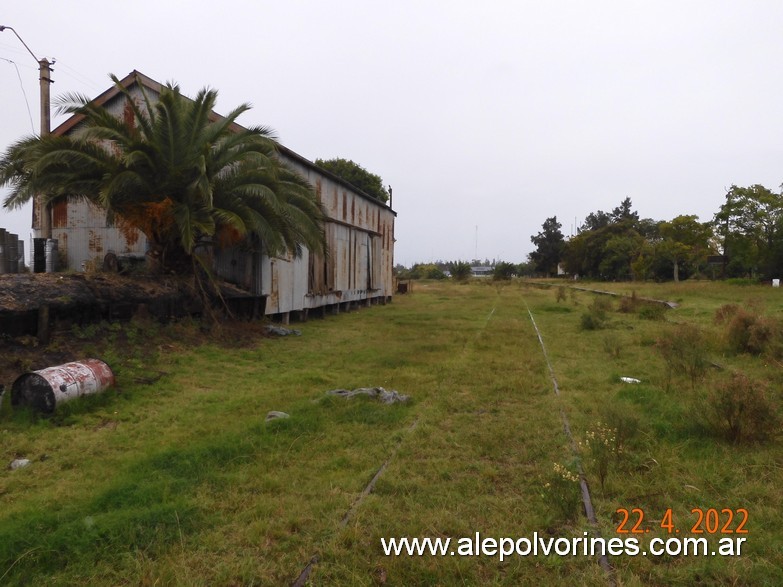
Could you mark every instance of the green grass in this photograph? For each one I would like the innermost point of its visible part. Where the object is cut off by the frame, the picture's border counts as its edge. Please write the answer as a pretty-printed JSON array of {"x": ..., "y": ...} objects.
[{"x": 181, "y": 481}]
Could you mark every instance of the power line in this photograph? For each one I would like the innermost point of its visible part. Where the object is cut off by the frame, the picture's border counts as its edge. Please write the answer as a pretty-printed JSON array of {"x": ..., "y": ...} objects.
[
  {"x": 23, "y": 92},
  {"x": 78, "y": 76}
]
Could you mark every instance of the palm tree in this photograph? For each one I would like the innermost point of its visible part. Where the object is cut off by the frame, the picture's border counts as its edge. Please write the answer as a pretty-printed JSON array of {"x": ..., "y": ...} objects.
[{"x": 184, "y": 176}]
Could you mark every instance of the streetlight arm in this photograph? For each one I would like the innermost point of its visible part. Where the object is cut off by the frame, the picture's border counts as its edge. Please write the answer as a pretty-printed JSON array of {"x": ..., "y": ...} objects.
[
  {"x": 2, "y": 28},
  {"x": 45, "y": 79}
]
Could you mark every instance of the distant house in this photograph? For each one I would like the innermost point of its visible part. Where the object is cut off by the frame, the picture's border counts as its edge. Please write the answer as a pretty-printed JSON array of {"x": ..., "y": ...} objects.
[
  {"x": 481, "y": 271},
  {"x": 359, "y": 234}
]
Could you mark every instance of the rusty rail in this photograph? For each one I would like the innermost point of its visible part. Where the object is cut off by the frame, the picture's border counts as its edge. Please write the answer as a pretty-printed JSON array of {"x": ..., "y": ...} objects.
[
  {"x": 301, "y": 580},
  {"x": 587, "y": 501}
]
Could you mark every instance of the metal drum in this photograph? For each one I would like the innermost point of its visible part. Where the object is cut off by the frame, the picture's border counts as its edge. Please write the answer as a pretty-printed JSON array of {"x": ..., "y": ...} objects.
[
  {"x": 12, "y": 252},
  {"x": 39, "y": 255},
  {"x": 51, "y": 255},
  {"x": 3, "y": 252},
  {"x": 45, "y": 389}
]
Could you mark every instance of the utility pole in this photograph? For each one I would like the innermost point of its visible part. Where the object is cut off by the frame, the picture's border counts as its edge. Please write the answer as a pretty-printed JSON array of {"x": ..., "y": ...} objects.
[
  {"x": 45, "y": 80},
  {"x": 46, "y": 128}
]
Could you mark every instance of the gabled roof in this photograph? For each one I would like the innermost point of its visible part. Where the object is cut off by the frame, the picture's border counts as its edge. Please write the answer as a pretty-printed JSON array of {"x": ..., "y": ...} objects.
[
  {"x": 136, "y": 77},
  {"x": 128, "y": 81}
]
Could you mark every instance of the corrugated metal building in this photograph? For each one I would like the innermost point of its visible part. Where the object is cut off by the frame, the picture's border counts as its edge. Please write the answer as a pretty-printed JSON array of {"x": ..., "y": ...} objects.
[{"x": 359, "y": 232}]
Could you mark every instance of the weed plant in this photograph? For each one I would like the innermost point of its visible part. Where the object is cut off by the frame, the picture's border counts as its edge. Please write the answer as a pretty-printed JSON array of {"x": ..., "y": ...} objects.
[
  {"x": 601, "y": 450},
  {"x": 684, "y": 350},
  {"x": 560, "y": 293},
  {"x": 562, "y": 492},
  {"x": 651, "y": 311},
  {"x": 612, "y": 345},
  {"x": 595, "y": 317},
  {"x": 628, "y": 304},
  {"x": 741, "y": 409}
]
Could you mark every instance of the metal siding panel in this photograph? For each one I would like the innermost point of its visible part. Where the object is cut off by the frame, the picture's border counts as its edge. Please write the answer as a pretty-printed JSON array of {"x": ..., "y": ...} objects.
[
  {"x": 361, "y": 260},
  {"x": 273, "y": 302},
  {"x": 340, "y": 258},
  {"x": 266, "y": 276},
  {"x": 284, "y": 271},
  {"x": 87, "y": 238},
  {"x": 235, "y": 266},
  {"x": 299, "y": 269}
]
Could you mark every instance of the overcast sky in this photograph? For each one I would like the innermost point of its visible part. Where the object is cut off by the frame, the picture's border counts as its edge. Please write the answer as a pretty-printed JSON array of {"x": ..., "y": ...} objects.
[{"x": 485, "y": 117}]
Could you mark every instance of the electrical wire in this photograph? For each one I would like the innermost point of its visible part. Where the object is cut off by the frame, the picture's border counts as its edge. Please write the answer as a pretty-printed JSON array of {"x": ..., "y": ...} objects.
[
  {"x": 26, "y": 101},
  {"x": 78, "y": 76}
]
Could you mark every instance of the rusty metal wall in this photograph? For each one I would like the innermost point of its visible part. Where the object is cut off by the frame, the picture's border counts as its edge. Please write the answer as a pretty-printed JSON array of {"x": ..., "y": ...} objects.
[
  {"x": 360, "y": 241},
  {"x": 360, "y": 237},
  {"x": 81, "y": 228},
  {"x": 85, "y": 238}
]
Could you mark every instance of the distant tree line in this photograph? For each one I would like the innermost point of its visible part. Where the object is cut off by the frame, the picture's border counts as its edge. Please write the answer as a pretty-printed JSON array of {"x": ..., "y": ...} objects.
[
  {"x": 462, "y": 270},
  {"x": 744, "y": 239}
]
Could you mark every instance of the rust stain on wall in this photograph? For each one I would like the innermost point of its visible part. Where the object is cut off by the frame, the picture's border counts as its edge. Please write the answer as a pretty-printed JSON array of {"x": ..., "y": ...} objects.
[
  {"x": 318, "y": 190},
  {"x": 60, "y": 214},
  {"x": 128, "y": 116},
  {"x": 95, "y": 243}
]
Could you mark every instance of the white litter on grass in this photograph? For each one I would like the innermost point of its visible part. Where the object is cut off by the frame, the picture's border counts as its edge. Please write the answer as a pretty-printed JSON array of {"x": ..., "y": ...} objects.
[
  {"x": 18, "y": 464},
  {"x": 275, "y": 415},
  {"x": 630, "y": 380}
]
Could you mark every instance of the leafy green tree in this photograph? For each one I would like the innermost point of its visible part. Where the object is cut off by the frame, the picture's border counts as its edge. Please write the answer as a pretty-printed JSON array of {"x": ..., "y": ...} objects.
[
  {"x": 618, "y": 254},
  {"x": 595, "y": 220},
  {"x": 624, "y": 212},
  {"x": 173, "y": 170},
  {"x": 426, "y": 271},
  {"x": 549, "y": 247},
  {"x": 608, "y": 244},
  {"x": 685, "y": 240},
  {"x": 503, "y": 271},
  {"x": 750, "y": 227},
  {"x": 603, "y": 253},
  {"x": 357, "y": 176},
  {"x": 526, "y": 269}
]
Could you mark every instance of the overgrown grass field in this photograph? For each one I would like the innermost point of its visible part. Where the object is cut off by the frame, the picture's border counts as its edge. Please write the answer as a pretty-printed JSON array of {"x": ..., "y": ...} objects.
[{"x": 175, "y": 478}]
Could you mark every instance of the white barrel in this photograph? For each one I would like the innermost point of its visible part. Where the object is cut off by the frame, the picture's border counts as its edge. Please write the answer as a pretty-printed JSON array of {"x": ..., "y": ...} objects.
[
  {"x": 51, "y": 255},
  {"x": 20, "y": 252},
  {"x": 45, "y": 389}
]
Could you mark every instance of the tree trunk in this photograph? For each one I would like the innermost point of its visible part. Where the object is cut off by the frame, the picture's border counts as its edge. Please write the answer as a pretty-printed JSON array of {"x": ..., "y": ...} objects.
[{"x": 676, "y": 271}]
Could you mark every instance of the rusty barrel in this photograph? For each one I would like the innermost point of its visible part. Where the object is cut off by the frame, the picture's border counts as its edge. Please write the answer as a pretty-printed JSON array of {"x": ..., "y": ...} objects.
[{"x": 45, "y": 389}]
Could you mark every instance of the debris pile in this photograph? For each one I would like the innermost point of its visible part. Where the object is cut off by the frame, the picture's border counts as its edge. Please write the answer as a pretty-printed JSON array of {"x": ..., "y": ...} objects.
[
  {"x": 280, "y": 331},
  {"x": 385, "y": 396}
]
